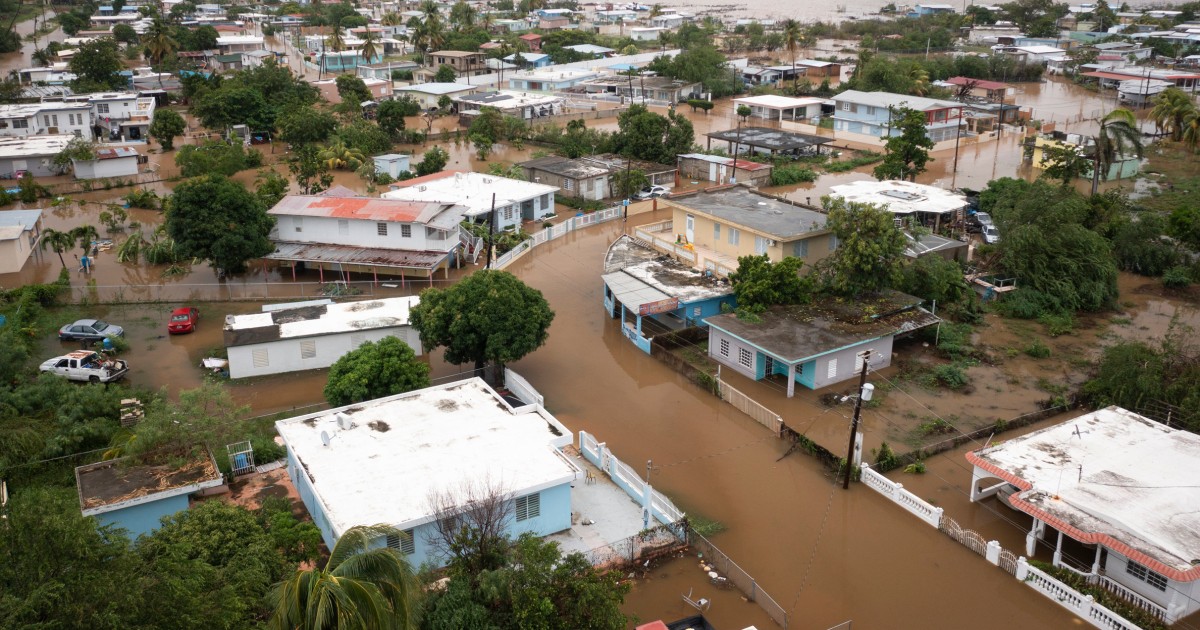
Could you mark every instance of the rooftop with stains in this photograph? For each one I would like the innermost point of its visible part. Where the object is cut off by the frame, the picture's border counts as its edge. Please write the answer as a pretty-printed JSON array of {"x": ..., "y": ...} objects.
[
  {"x": 120, "y": 483},
  {"x": 321, "y": 319},
  {"x": 381, "y": 460},
  {"x": 1115, "y": 477},
  {"x": 366, "y": 208},
  {"x": 661, "y": 272}
]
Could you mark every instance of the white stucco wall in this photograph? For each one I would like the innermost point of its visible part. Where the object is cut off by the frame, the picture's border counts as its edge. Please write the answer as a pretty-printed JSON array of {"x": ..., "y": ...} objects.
[
  {"x": 360, "y": 233},
  {"x": 97, "y": 169},
  {"x": 284, "y": 355}
]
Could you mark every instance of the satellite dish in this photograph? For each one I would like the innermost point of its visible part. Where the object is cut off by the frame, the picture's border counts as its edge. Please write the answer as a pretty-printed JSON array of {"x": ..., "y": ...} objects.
[{"x": 325, "y": 438}]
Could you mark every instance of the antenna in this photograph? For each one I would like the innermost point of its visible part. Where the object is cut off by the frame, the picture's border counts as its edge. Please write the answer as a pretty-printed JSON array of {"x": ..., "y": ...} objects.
[{"x": 325, "y": 438}]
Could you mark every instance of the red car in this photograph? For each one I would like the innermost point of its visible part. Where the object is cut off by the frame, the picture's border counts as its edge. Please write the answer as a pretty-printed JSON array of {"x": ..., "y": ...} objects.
[{"x": 183, "y": 320}]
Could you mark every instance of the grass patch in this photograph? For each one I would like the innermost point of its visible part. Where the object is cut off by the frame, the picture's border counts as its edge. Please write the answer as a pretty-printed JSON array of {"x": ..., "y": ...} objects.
[
  {"x": 1037, "y": 350},
  {"x": 862, "y": 159},
  {"x": 1057, "y": 323},
  {"x": 703, "y": 525}
]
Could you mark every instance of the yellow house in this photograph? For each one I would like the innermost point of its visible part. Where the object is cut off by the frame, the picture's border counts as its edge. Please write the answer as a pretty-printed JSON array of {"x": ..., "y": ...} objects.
[{"x": 721, "y": 224}]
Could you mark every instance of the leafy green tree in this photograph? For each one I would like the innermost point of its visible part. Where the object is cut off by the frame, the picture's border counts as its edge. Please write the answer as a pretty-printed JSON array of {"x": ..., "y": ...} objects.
[
  {"x": 1064, "y": 163},
  {"x": 72, "y": 22},
  {"x": 1172, "y": 107},
  {"x": 302, "y": 125},
  {"x": 1139, "y": 245},
  {"x": 908, "y": 151},
  {"x": 432, "y": 162},
  {"x": 1184, "y": 223},
  {"x": 365, "y": 136},
  {"x": 760, "y": 284},
  {"x": 444, "y": 74},
  {"x": 362, "y": 586},
  {"x": 296, "y": 540},
  {"x": 352, "y": 88},
  {"x": 243, "y": 97},
  {"x": 645, "y": 135},
  {"x": 312, "y": 176},
  {"x": 97, "y": 65},
  {"x": 270, "y": 187},
  {"x": 934, "y": 278},
  {"x": 1103, "y": 17},
  {"x": 580, "y": 140},
  {"x": 167, "y": 125},
  {"x": 488, "y": 316},
  {"x": 125, "y": 34},
  {"x": 228, "y": 106},
  {"x": 627, "y": 182},
  {"x": 870, "y": 251},
  {"x": 744, "y": 111},
  {"x": 375, "y": 370},
  {"x": 390, "y": 117},
  {"x": 218, "y": 220},
  {"x": 215, "y": 157}
]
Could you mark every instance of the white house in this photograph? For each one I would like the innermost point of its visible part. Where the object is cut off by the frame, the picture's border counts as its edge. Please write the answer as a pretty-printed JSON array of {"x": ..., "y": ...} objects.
[
  {"x": 46, "y": 118},
  {"x": 549, "y": 80},
  {"x": 366, "y": 234},
  {"x": 20, "y": 231},
  {"x": 646, "y": 33},
  {"x": 514, "y": 200},
  {"x": 109, "y": 162},
  {"x": 1122, "y": 488},
  {"x": 31, "y": 154},
  {"x": 391, "y": 164},
  {"x": 929, "y": 204},
  {"x": 427, "y": 94},
  {"x": 118, "y": 116},
  {"x": 383, "y": 461},
  {"x": 524, "y": 105},
  {"x": 775, "y": 107},
  {"x": 313, "y": 336},
  {"x": 230, "y": 44}
]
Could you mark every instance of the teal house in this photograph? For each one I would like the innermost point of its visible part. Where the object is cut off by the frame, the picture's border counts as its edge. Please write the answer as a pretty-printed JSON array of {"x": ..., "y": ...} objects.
[{"x": 135, "y": 497}]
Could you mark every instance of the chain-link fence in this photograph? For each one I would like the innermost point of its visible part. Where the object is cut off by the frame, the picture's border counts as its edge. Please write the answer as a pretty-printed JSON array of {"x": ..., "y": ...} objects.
[
  {"x": 652, "y": 543},
  {"x": 729, "y": 569}
]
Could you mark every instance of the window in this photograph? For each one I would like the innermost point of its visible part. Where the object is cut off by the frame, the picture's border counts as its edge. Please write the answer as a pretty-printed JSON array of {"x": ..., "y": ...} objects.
[
  {"x": 381, "y": 229},
  {"x": 308, "y": 349},
  {"x": 833, "y": 242},
  {"x": 344, "y": 227},
  {"x": 260, "y": 358},
  {"x": 870, "y": 111},
  {"x": 735, "y": 236},
  {"x": 20, "y": 123},
  {"x": 745, "y": 357},
  {"x": 529, "y": 506},
  {"x": 406, "y": 231},
  {"x": 1146, "y": 575},
  {"x": 724, "y": 347},
  {"x": 546, "y": 198},
  {"x": 102, "y": 108},
  {"x": 716, "y": 232},
  {"x": 299, "y": 223},
  {"x": 696, "y": 311},
  {"x": 402, "y": 541},
  {"x": 832, "y": 372},
  {"x": 800, "y": 249},
  {"x": 53, "y": 120},
  {"x": 760, "y": 245},
  {"x": 568, "y": 184},
  {"x": 508, "y": 213}
]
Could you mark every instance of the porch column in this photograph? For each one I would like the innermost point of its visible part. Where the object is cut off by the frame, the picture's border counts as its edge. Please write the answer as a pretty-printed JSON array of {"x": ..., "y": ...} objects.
[
  {"x": 1031, "y": 538},
  {"x": 639, "y": 324},
  {"x": 1058, "y": 550},
  {"x": 791, "y": 379},
  {"x": 1096, "y": 563}
]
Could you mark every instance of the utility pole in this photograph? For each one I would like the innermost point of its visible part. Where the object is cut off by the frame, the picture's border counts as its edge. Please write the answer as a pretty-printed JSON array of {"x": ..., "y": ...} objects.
[
  {"x": 491, "y": 232},
  {"x": 863, "y": 392}
]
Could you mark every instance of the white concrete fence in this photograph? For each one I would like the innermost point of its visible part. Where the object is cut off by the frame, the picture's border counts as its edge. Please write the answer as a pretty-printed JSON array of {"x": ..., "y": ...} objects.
[
  {"x": 562, "y": 229},
  {"x": 1084, "y": 606},
  {"x": 649, "y": 234},
  {"x": 661, "y": 508}
]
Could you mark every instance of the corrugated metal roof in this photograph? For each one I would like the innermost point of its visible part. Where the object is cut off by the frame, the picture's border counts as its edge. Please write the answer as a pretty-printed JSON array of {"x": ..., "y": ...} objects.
[
  {"x": 113, "y": 153},
  {"x": 365, "y": 208},
  {"x": 348, "y": 255}
]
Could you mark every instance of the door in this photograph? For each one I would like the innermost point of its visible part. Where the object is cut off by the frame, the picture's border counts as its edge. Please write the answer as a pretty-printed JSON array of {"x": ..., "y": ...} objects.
[
  {"x": 691, "y": 229},
  {"x": 768, "y": 366}
]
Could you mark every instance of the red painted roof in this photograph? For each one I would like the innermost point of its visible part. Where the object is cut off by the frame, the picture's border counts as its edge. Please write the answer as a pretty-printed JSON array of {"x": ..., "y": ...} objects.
[
  {"x": 979, "y": 83},
  {"x": 367, "y": 208},
  {"x": 530, "y": 36}
]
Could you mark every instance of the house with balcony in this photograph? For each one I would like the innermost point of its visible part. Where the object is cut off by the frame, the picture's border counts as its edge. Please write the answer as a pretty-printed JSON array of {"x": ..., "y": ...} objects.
[
  {"x": 118, "y": 116},
  {"x": 711, "y": 228},
  {"x": 817, "y": 344},
  {"x": 513, "y": 200},
  {"x": 46, "y": 118},
  {"x": 1114, "y": 494},
  {"x": 386, "y": 460},
  {"x": 464, "y": 63},
  {"x": 230, "y": 44},
  {"x": 870, "y": 114},
  {"x": 662, "y": 89},
  {"x": 340, "y": 232},
  {"x": 652, "y": 293}
]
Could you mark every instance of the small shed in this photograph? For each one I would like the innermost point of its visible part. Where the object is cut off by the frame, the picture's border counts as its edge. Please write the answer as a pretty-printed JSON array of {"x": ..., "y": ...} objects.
[
  {"x": 724, "y": 170},
  {"x": 308, "y": 337},
  {"x": 391, "y": 164},
  {"x": 109, "y": 162},
  {"x": 135, "y": 497}
]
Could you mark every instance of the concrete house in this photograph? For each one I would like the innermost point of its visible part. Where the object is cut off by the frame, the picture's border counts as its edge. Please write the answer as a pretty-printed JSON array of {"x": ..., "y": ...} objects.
[
  {"x": 529, "y": 60},
  {"x": 20, "y": 231},
  {"x": 391, "y": 164},
  {"x": 465, "y": 64},
  {"x": 724, "y": 223},
  {"x": 46, "y": 118},
  {"x": 313, "y": 336},
  {"x": 118, "y": 116},
  {"x": 579, "y": 178},
  {"x": 870, "y": 114},
  {"x": 515, "y": 201},
  {"x": 773, "y": 107},
  {"x": 523, "y": 105},
  {"x": 428, "y": 94},
  {"x": 654, "y": 294},
  {"x": 231, "y": 44},
  {"x": 31, "y": 154},
  {"x": 109, "y": 162},
  {"x": 1124, "y": 513},
  {"x": 137, "y": 497},
  {"x": 366, "y": 234},
  {"x": 930, "y": 205},
  {"x": 723, "y": 170},
  {"x": 664, "y": 89},
  {"x": 818, "y": 344},
  {"x": 381, "y": 462},
  {"x": 548, "y": 80}
]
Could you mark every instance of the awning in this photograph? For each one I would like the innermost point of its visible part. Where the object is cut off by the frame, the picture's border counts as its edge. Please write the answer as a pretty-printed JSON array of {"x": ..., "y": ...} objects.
[
  {"x": 369, "y": 256},
  {"x": 638, "y": 296}
]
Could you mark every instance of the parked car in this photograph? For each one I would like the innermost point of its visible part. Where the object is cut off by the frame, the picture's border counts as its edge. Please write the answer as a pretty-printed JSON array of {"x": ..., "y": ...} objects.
[
  {"x": 991, "y": 235},
  {"x": 90, "y": 329},
  {"x": 86, "y": 365},
  {"x": 183, "y": 320},
  {"x": 650, "y": 192}
]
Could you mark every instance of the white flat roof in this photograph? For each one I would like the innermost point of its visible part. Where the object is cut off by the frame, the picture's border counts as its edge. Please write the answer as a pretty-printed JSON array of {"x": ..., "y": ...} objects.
[
  {"x": 1115, "y": 477},
  {"x": 403, "y": 448},
  {"x": 778, "y": 102},
  {"x": 239, "y": 39},
  {"x": 437, "y": 88},
  {"x": 901, "y": 197},
  {"x": 34, "y": 146},
  {"x": 333, "y": 318},
  {"x": 470, "y": 189}
]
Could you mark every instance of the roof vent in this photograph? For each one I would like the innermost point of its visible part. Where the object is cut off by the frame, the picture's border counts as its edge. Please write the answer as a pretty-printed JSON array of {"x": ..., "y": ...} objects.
[{"x": 344, "y": 422}]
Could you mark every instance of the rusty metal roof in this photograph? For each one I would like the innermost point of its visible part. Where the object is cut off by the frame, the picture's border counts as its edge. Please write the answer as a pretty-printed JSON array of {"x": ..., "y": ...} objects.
[
  {"x": 349, "y": 255},
  {"x": 367, "y": 209},
  {"x": 115, "y": 152}
]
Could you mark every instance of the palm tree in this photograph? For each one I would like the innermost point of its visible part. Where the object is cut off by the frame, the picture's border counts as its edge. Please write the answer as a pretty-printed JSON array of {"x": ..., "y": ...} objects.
[
  {"x": 1171, "y": 107},
  {"x": 655, "y": 11},
  {"x": 339, "y": 156},
  {"x": 58, "y": 241},
  {"x": 85, "y": 234},
  {"x": 159, "y": 44},
  {"x": 391, "y": 18},
  {"x": 1118, "y": 136},
  {"x": 1191, "y": 130},
  {"x": 920, "y": 80},
  {"x": 793, "y": 33},
  {"x": 369, "y": 49},
  {"x": 362, "y": 586}
]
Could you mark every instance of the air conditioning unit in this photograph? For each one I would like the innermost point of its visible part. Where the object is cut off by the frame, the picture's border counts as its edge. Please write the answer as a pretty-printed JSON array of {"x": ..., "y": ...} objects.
[{"x": 770, "y": 243}]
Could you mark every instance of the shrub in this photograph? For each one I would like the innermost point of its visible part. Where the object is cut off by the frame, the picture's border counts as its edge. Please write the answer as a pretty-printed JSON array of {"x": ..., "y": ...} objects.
[
  {"x": 951, "y": 376},
  {"x": 915, "y": 468},
  {"x": 1038, "y": 350},
  {"x": 787, "y": 175},
  {"x": 1177, "y": 278},
  {"x": 1057, "y": 323},
  {"x": 885, "y": 457}
]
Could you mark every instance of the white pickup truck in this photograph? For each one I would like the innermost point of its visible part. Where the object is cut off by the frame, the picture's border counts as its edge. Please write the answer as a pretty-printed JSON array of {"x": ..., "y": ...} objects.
[{"x": 86, "y": 365}]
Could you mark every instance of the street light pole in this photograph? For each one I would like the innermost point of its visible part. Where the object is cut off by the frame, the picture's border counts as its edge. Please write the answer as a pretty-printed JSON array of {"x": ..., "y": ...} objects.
[{"x": 864, "y": 393}]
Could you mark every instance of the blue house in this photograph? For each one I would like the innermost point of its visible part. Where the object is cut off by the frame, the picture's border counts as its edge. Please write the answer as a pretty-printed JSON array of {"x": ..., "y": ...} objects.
[
  {"x": 930, "y": 9},
  {"x": 529, "y": 59},
  {"x": 345, "y": 60},
  {"x": 135, "y": 497},
  {"x": 388, "y": 460},
  {"x": 816, "y": 344},
  {"x": 654, "y": 294},
  {"x": 871, "y": 113}
]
